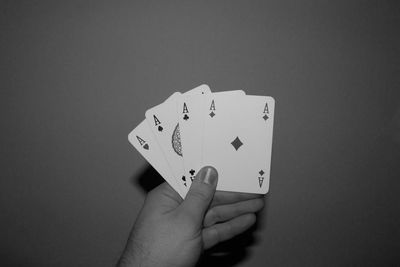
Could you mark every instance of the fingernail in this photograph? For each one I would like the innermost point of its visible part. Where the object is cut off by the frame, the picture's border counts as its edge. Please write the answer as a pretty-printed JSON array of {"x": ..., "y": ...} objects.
[{"x": 209, "y": 175}]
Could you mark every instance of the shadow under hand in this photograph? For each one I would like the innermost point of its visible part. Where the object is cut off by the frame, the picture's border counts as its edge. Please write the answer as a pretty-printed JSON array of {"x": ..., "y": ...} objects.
[
  {"x": 235, "y": 250},
  {"x": 147, "y": 178},
  {"x": 229, "y": 253}
]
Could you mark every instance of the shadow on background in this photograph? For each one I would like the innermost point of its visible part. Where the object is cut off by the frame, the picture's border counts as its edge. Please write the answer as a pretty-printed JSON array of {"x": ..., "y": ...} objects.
[
  {"x": 147, "y": 179},
  {"x": 228, "y": 253}
]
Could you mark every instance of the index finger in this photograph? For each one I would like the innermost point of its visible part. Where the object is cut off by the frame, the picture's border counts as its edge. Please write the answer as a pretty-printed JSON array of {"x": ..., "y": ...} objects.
[{"x": 223, "y": 197}]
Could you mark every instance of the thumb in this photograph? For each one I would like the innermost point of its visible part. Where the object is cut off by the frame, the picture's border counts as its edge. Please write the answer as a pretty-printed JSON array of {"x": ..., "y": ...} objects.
[{"x": 201, "y": 193}]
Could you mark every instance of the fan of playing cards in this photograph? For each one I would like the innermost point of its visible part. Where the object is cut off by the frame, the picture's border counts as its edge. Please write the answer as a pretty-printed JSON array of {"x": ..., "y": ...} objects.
[{"x": 229, "y": 130}]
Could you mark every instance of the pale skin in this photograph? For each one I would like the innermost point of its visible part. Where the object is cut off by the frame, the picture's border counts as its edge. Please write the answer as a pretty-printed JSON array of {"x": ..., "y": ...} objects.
[{"x": 170, "y": 231}]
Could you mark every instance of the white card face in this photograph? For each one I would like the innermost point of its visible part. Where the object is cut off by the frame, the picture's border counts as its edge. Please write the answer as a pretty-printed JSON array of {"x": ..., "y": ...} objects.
[
  {"x": 191, "y": 127},
  {"x": 163, "y": 121},
  {"x": 191, "y": 124},
  {"x": 238, "y": 141},
  {"x": 143, "y": 140}
]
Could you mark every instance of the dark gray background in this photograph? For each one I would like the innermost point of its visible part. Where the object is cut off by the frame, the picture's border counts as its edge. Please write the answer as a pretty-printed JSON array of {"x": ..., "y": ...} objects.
[{"x": 76, "y": 77}]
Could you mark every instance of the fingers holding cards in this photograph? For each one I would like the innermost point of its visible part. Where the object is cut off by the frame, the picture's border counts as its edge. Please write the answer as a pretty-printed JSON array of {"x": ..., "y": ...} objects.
[{"x": 228, "y": 130}]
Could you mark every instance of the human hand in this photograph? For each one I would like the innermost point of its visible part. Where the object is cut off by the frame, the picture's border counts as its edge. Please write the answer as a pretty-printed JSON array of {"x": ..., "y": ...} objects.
[{"x": 170, "y": 231}]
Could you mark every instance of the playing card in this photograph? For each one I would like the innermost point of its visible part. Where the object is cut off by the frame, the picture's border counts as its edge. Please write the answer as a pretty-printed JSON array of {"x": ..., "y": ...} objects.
[
  {"x": 227, "y": 130},
  {"x": 143, "y": 140},
  {"x": 237, "y": 141},
  {"x": 191, "y": 124},
  {"x": 164, "y": 123}
]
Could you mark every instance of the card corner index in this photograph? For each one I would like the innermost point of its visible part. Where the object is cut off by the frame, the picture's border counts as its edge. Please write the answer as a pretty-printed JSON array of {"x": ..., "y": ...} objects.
[
  {"x": 136, "y": 135},
  {"x": 132, "y": 133}
]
